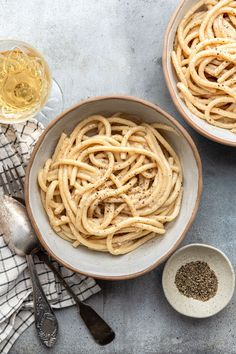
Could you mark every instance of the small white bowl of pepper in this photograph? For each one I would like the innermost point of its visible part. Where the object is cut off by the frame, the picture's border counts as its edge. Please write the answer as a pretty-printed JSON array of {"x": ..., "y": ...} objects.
[{"x": 198, "y": 280}]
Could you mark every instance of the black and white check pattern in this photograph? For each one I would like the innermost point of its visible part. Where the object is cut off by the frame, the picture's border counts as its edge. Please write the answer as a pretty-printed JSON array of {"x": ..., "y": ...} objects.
[{"x": 16, "y": 302}]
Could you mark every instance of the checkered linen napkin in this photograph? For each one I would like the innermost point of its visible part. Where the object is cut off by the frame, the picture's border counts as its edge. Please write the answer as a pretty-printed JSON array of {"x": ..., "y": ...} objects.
[{"x": 16, "y": 301}]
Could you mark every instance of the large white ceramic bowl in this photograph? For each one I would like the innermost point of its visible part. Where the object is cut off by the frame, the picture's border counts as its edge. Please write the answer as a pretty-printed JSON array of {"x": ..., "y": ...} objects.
[
  {"x": 152, "y": 253},
  {"x": 219, "y": 135}
]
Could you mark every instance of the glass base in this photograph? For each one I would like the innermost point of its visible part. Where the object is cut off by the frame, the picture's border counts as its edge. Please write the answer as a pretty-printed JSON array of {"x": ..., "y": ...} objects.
[{"x": 53, "y": 107}]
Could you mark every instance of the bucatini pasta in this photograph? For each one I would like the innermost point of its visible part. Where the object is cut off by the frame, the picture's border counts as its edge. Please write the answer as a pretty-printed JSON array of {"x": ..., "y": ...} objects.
[
  {"x": 112, "y": 185},
  {"x": 204, "y": 58}
]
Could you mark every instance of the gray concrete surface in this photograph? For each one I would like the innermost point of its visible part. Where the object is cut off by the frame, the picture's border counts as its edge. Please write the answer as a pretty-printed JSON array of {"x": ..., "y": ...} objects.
[{"x": 114, "y": 46}]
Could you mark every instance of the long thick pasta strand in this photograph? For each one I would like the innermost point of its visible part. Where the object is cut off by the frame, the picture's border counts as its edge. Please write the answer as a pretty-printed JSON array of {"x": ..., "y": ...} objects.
[
  {"x": 204, "y": 58},
  {"x": 112, "y": 185}
]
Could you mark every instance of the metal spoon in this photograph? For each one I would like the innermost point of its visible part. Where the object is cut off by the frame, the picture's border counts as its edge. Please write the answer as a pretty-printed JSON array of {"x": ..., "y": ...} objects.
[
  {"x": 24, "y": 241},
  {"x": 15, "y": 227}
]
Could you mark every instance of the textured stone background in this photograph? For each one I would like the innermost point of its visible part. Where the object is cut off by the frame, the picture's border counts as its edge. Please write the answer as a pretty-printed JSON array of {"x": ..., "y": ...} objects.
[{"x": 114, "y": 46}]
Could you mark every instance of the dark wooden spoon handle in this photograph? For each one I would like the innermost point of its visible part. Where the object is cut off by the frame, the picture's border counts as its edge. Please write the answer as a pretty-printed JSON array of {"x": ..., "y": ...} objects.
[{"x": 99, "y": 329}]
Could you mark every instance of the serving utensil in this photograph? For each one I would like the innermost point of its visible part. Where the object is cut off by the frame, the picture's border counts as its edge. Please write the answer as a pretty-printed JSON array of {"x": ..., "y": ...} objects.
[
  {"x": 99, "y": 329},
  {"x": 14, "y": 225}
]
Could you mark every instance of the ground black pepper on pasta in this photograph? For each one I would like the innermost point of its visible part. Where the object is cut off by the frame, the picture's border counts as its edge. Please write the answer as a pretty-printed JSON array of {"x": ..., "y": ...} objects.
[
  {"x": 197, "y": 280},
  {"x": 112, "y": 185}
]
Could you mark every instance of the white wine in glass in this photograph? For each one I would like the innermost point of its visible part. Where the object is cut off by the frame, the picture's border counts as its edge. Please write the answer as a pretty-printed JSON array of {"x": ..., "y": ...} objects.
[{"x": 25, "y": 81}]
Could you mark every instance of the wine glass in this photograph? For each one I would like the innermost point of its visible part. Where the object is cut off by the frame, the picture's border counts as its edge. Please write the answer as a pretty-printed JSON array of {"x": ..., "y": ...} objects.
[{"x": 27, "y": 89}]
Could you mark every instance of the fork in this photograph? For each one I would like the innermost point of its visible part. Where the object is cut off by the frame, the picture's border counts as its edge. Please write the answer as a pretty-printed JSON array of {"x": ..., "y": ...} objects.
[
  {"x": 11, "y": 187},
  {"x": 45, "y": 319}
]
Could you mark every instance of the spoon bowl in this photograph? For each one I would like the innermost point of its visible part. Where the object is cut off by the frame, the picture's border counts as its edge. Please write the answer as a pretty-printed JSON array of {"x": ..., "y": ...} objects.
[{"x": 16, "y": 228}]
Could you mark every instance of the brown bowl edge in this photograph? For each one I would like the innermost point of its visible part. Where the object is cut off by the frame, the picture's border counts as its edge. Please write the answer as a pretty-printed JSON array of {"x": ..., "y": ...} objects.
[{"x": 181, "y": 237}]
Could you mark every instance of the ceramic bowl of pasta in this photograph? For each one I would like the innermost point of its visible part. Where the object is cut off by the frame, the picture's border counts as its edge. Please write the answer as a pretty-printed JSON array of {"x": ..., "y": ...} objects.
[
  {"x": 200, "y": 66},
  {"x": 112, "y": 187}
]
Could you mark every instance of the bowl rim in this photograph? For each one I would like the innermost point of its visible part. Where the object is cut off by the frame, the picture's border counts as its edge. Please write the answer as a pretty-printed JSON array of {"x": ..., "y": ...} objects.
[
  {"x": 200, "y": 130},
  {"x": 197, "y": 201},
  {"x": 203, "y": 245}
]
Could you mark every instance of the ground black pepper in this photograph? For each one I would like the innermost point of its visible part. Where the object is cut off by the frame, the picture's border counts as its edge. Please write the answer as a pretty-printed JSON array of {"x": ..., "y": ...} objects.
[{"x": 197, "y": 280}]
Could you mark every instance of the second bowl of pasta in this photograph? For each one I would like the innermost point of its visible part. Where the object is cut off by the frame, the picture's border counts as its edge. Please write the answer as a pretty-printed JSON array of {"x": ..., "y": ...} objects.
[
  {"x": 112, "y": 187},
  {"x": 199, "y": 66}
]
